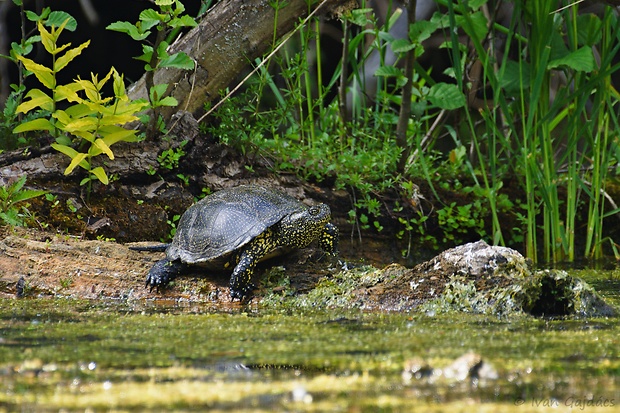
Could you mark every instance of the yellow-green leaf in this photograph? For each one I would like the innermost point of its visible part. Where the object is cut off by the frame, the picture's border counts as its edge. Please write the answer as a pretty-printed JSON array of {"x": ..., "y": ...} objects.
[
  {"x": 121, "y": 134},
  {"x": 103, "y": 81},
  {"x": 63, "y": 60},
  {"x": 62, "y": 117},
  {"x": 85, "y": 135},
  {"x": 48, "y": 40},
  {"x": 118, "y": 85},
  {"x": 100, "y": 174},
  {"x": 44, "y": 74},
  {"x": 38, "y": 99},
  {"x": 68, "y": 92},
  {"x": 90, "y": 89},
  {"x": 61, "y": 48},
  {"x": 36, "y": 124},
  {"x": 88, "y": 123},
  {"x": 117, "y": 119},
  {"x": 64, "y": 149},
  {"x": 103, "y": 147},
  {"x": 80, "y": 110},
  {"x": 77, "y": 160}
]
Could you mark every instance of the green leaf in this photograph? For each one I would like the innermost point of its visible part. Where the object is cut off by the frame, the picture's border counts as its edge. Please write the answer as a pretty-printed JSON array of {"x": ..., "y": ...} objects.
[
  {"x": 402, "y": 46},
  {"x": 446, "y": 96},
  {"x": 589, "y": 31},
  {"x": 130, "y": 29},
  {"x": 183, "y": 21},
  {"x": 147, "y": 53},
  {"x": 389, "y": 71},
  {"x": 17, "y": 185},
  {"x": 71, "y": 54},
  {"x": 162, "y": 50},
  {"x": 422, "y": 30},
  {"x": 100, "y": 174},
  {"x": 359, "y": 17},
  {"x": 475, "y": 25},
  {"x": 167, "y": 101},
  {"x": 38, "y": 99},
  {"x": 12, "y": 218},
  {"x": 178, "y": 60},
  {"x": 150, "y": 18},
  {"x": 157, "y": 92},
  {"x": 581, "y": 60},
  {"x": 513, "y": 77},
  {"x": 36, "y": 124},
  {"x": 27, "y": 194},
  {"x": 33, "y": 17},
  {"x": 57, "y": 18}
]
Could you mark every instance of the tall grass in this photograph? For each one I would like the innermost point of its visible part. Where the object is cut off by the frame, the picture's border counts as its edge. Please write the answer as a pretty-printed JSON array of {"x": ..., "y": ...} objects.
[
  {"x": 566, "y": 131},
  {"x": 548, "y": 118}
]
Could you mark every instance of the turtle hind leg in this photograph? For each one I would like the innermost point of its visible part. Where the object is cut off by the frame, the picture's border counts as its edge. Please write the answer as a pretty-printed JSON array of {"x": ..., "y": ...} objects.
[{"x": 162, "y": 273}]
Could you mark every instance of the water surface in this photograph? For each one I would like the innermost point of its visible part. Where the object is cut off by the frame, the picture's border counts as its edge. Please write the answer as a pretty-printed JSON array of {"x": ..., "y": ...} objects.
[{"x": 101, "y": 355}]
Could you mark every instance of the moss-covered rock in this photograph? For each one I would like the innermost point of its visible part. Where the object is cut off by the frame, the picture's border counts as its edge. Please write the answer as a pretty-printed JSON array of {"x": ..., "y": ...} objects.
[{"x": 475, "y": 278}]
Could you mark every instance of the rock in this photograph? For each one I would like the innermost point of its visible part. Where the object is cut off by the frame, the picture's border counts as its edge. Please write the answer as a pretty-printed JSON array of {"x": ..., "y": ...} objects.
[
  {"x": 474, "y": 278},
  {"x": 469, "y": 367}
]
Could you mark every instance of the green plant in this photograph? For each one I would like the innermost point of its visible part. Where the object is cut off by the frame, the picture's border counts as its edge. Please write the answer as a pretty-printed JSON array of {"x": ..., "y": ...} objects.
[
  {"x": 172, "y": 223},
  {"x": 52, "y": 199},
  {"x": 10, "y": 196},
  {"x": 92, "y": 119},
  {"x": 169, "y": 19},
  {"x": 10, "y": 117},
  {"x": 566, "y": 136},
  {"x": 169, "y": 159},
  {"x": 457, "y": 220}
]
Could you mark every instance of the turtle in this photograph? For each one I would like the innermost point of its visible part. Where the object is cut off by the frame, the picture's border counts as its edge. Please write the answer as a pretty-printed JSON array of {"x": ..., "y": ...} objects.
[{"x": 242, "y": 226}]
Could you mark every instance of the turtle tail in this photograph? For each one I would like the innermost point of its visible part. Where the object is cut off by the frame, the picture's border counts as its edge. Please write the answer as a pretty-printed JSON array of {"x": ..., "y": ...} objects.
[{"x": 150, "y": 248}]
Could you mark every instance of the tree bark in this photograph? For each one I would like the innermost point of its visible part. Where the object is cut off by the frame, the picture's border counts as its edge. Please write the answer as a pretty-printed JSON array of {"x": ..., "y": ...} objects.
[{"x": 227, "y": 40}]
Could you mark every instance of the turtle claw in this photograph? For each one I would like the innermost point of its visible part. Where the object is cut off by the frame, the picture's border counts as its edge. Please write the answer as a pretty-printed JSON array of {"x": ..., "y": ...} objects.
[
  {"x": 241, "y": 292},
  {"x": 162, "y": 273}
]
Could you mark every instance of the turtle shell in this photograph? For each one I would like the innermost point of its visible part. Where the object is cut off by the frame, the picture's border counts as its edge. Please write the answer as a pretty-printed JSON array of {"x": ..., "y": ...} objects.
[{"x": 227, "y": 220}]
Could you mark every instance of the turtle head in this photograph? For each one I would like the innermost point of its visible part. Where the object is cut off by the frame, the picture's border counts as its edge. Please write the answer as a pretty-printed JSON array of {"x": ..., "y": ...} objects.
[{"x": 301, "y": 228}]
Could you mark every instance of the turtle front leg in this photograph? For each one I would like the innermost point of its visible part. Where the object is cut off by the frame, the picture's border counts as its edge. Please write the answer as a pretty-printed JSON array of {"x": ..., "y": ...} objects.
[
  {"x": 240, "y": 280},
  {"x": 328, "y": 240},
  {"x": 162, "y": 273}
]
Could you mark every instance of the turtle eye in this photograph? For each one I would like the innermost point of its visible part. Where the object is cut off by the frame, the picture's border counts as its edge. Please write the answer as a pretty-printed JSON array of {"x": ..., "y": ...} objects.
[{"x": 314, "y": 211}]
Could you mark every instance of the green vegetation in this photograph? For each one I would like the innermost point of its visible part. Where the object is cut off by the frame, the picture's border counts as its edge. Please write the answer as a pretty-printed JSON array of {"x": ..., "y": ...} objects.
[
  {"x": 558, "y": 141},
  {"x": 168, "y": 20},
  {"x": 516, "y": 144},
  {"x": 10, "y": 196},
  {"x": 92, "y": 119}
]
